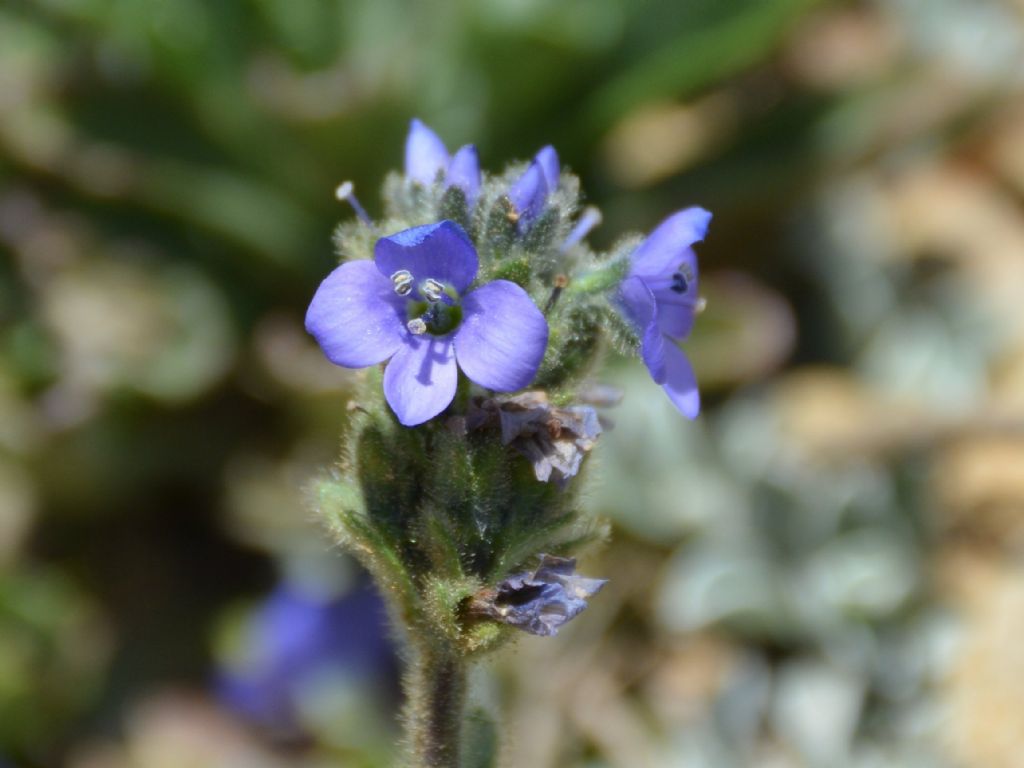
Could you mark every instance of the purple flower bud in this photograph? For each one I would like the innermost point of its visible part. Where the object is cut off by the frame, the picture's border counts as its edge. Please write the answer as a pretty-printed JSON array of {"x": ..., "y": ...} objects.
[
  {"x": 529, "y": 193},
  {"x": 426, "y": 158},
  {"x": 539, "y": 602},
  {"x": 660, "y": 297}
]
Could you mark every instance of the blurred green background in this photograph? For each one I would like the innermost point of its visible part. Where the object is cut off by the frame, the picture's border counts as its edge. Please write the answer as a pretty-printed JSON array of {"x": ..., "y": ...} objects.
[{"x": 827, "y": 569}]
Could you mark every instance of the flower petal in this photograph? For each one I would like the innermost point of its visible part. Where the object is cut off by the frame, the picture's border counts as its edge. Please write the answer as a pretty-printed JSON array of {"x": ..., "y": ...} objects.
[
  {"x": 356, "y": 317},
  {"x": 637, "y": 301},
  {"x": 676, "y": 295},
  {"x": 676, "y": 313},
  {"x": 681, "y": 383},
  {"x": 668, "y": 246},
  {"x": 502, "y": 339},
  {"x": 441, "y": 251},
  {"x": 547, "y": 159},
  {"x": 420, "y": 380},
  {"x": 652, "y": 350},
  {"x": 529, "y": 192},
  {"x": 425, "y": 154},
  {"x": 464, "y": 173}
]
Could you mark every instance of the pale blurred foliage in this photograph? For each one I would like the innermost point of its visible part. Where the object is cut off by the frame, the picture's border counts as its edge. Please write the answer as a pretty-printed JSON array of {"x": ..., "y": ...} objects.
[
  {"x": 825, "y": 570},
  {"x": 175, "y": 730},
  {"x": 983, "y": 687}
]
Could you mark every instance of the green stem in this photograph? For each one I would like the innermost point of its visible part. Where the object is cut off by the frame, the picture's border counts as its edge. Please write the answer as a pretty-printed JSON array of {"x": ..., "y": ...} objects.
[
  {"x": 436, "y": 692},
  {"x": 599, "y": 280}
]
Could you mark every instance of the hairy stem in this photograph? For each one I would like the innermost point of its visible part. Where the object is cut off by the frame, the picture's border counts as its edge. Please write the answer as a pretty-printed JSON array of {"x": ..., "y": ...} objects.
[
  {"x": 599, "y": 280},
  {"x": 436, "y": 691}
]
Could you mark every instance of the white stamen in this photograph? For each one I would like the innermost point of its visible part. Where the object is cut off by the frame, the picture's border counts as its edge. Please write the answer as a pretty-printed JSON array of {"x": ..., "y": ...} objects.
[
  {"x": 432, "y": 290},
  {"x": 591, "y": 218},
  {"x": 700, "y": 305},
  {"x": 346, "y": 194},
  {"x": 402, "y": 280},
  {"x": 416, "y": 327}
]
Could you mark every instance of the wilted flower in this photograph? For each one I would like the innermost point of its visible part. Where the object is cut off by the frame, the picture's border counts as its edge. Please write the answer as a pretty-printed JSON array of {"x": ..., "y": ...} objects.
[
  {"x": 659, "y": 295},
  {"x": 541, "y": 602},
  {"x": 426, "y": 157},
  {"x": 529, "y": 193},
  {"x": 555, "y": 440},
  {"x": 410, "y": 306}
]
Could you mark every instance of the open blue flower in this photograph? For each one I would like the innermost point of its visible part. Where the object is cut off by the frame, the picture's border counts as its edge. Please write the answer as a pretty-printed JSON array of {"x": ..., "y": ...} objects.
[
  {"x": 410, "y": 306},
  {"x": 529, "y": 193},
  {"x": 427, "y": 158},
  {"x": 659, "y": 295}
]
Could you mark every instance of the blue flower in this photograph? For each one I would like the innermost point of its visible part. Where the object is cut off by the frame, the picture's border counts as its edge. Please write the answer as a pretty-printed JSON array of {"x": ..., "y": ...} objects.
[
  {"x": 659, "y": 295},
  {"x": 542, "y": 601},
  {"x": 529, "y": 193},
  {"x": 427, "y": 159},
  {"x": 293, "y": 639},
  {"x": 412, "y": 306}
]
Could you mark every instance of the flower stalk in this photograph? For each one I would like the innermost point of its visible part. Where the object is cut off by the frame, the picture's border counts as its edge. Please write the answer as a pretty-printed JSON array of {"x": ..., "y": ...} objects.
[
  {"x": 435, "y": 685},
  {"x": 457, "y": 486}
]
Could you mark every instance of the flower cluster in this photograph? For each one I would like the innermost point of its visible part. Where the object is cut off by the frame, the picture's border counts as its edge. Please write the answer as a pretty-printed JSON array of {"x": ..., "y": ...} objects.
[
  {"x": 470, "y": 289},
  {"x": 414, "y": 308}
]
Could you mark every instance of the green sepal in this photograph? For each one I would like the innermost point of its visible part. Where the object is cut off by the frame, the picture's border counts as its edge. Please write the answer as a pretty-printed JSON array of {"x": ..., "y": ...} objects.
[
  {"x": 354, "y": 240},
  {"x": 454, "y": 207},
  {"x": 620, "y": 332},
  {"x": 517, "y": 268},
  {"x": 341, "y": 505},
  {"x": 442, "y": 598},
  {"x": 574, "y": 346},
  {"x": 409, "y": 201},
  {"x": 541, "y": 239},
  {"x": 499, "y": 230}
]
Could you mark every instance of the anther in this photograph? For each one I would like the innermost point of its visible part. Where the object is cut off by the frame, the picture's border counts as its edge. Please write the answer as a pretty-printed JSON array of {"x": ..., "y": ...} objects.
[
  {"x": 682, "y": 278},
  {"x": 346, "y": 194},
  {"x": 432, "y": 290},
  {"x": 700, "y": 305},
  {"x": 416, "y": 326},
  {"x": 402, "y": 280},
  {"x": 591, "y": 218}
]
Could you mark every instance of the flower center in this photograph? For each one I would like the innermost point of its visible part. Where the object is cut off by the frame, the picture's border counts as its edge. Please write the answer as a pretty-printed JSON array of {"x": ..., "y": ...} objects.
[
  {"x": 681, "y": 279},
  {"x": 438, "y": 315}
]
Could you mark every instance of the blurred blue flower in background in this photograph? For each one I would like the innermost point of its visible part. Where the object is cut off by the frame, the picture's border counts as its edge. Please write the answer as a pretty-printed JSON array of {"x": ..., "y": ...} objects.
[{"x": 294, "y": 641}]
